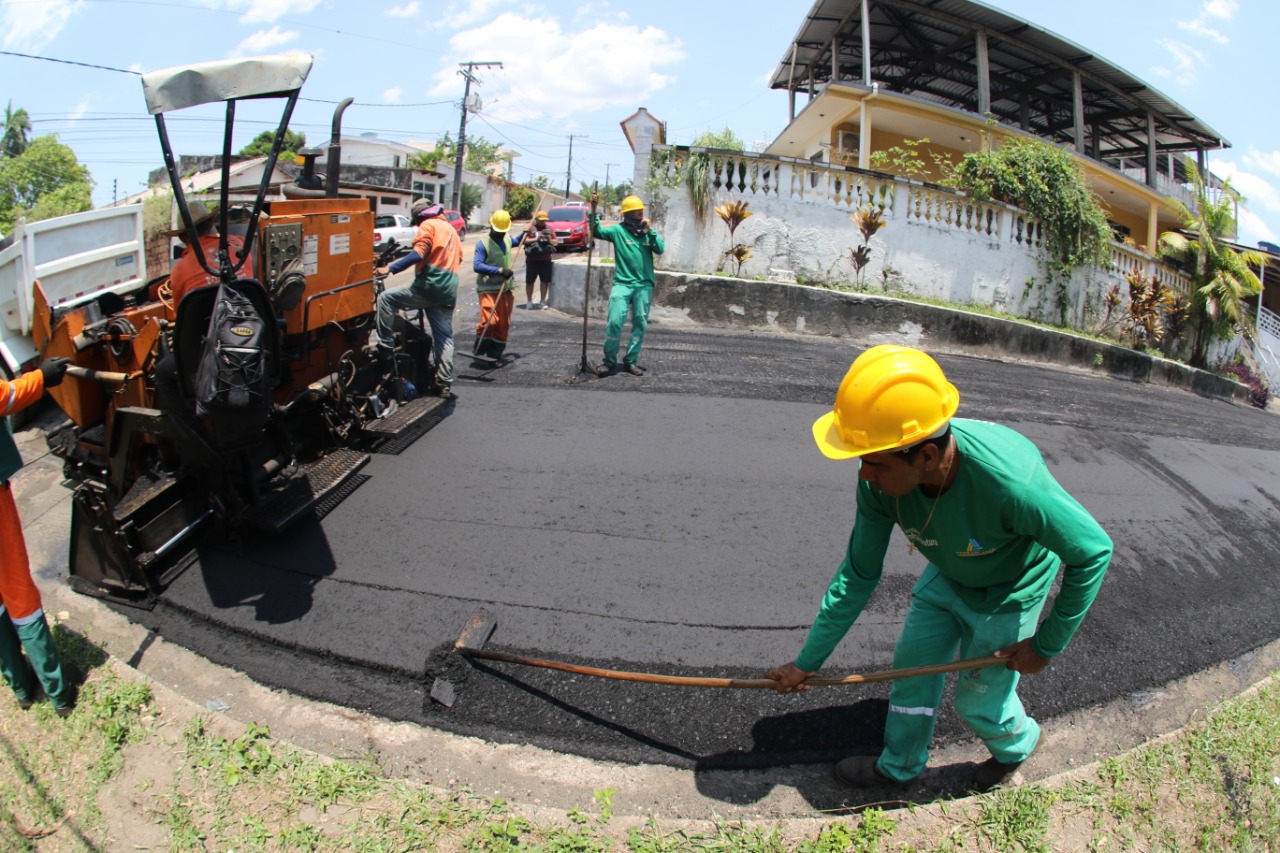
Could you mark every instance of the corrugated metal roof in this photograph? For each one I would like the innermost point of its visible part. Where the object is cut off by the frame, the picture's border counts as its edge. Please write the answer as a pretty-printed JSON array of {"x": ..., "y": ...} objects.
[{"x": 928, "y": 49}]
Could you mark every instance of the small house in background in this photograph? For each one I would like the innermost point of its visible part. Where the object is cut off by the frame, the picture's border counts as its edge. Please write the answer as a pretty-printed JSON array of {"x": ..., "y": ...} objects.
[{"x": 643, "y": 131}]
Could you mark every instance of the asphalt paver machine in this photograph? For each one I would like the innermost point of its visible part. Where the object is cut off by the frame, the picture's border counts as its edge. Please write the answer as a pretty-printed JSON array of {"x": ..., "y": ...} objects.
[{"x": 152, "y": 477}]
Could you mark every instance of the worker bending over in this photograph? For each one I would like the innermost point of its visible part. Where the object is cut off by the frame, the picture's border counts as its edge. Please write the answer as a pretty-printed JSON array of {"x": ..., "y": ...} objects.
[{"x": 977, "y": 500}]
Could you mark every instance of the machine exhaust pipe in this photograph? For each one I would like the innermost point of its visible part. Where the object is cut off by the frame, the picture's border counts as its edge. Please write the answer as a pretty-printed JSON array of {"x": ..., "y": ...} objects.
[{"x": 335, "y": 150}]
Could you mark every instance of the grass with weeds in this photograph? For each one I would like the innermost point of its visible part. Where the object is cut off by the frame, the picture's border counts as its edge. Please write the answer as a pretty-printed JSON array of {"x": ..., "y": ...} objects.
[{"x": 1213, "y": 787}]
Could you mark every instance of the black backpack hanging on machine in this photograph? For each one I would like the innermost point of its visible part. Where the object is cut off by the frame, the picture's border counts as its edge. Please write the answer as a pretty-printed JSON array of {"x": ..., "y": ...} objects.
[{"x": 231, "y": 377}]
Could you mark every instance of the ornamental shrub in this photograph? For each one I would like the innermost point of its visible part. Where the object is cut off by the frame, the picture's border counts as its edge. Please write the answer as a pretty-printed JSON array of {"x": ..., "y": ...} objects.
[{"x": 1048, "y": 183}]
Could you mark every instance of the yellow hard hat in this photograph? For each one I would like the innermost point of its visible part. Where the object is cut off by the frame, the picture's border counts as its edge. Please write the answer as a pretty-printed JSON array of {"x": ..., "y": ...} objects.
[
  {"x": 632, "y": 202},
  {"x": 541, "y": 216},
  {"x": 891, "y": 397},
  {"x": 500, "y": 221}
]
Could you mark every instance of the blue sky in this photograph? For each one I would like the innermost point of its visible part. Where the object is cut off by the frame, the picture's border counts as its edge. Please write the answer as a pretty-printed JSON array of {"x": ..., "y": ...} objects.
[{"x": 568, "y": 70}]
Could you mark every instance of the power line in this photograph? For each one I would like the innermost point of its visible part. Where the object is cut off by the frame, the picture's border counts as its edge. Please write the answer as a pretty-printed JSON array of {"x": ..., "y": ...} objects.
[{"x": 71, "y": 62}]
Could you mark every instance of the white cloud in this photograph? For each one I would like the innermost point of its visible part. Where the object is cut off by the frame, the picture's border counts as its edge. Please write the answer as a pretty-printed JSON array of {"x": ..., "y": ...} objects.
[
  {"x": 455, "y": 17},
  {"x": 31, "y": 26},
  {"x": 392, "y": 95},
  {"x": 264, "y": 11},
  {"x": 1267, "y": 161},
  {"x": 1262, "y": 208},
  {"x": 607, "y": 65},
  {"x": 79, "y": 111},
  {"x": 1187, "y": 60},
  {"x": 408, "y": 10},
  {"x": 1200, "y": 28},
  {"x": 263, "y": 41},
  {"x": 1224, "y": 9},
  {"x": 1252, "y": 229},
  {"x": 1217, "y": 10}
]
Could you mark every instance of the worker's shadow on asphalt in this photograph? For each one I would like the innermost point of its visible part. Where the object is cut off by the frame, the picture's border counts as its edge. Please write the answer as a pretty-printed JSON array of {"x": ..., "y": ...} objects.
[
  {"x": 276, "y": 575},
  {"x": 799, "y": 750}
]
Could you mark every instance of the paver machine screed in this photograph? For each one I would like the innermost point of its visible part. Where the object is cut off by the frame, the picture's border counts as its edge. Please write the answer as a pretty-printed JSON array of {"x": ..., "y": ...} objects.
[{"x": 153, "y": 470}]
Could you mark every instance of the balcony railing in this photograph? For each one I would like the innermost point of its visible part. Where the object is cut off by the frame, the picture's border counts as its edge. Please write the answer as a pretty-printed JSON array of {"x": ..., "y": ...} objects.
[{"x": 761, "y": 176}]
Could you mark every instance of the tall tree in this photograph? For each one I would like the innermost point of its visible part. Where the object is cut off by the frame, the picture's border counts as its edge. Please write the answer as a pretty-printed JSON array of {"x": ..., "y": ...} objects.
[
  {"x": 17, "y": 127},
  {"x": 1220, "y": 275},
  {"x": 44, "y": 181},
  {"x": 261, "y": 145}
]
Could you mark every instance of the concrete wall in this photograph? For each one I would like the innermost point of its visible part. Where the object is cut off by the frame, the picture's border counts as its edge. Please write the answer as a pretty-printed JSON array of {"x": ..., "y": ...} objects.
[{"x": 732, "y": 303}]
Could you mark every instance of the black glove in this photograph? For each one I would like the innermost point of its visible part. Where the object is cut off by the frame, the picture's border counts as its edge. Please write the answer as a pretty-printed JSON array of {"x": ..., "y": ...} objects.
[
  {"x": 507, "y": 272},
  {"x": 54, "y": 369}
]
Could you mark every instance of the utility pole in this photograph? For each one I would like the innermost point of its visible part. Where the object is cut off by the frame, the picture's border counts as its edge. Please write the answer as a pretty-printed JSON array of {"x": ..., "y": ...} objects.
[
  {"x": 468, "y": 74},
  {"x": 608, "y": 190},
  {"x": 568, "y": 178}
]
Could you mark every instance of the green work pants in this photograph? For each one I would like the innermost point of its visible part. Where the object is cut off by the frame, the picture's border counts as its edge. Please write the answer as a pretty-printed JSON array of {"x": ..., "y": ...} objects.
[
  {"x": 623, "y": 297},
  {"x": 40, "y": 668},
  {"x": 938, "y": 625}
]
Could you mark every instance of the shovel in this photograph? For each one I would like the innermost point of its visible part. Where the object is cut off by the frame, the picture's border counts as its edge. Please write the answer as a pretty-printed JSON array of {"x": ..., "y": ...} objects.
[{"x": 585, "y": 370}]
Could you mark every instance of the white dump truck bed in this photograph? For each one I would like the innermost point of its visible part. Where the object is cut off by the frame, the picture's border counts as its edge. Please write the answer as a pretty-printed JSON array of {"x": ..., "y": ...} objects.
[{"x": 75, "y": 258}]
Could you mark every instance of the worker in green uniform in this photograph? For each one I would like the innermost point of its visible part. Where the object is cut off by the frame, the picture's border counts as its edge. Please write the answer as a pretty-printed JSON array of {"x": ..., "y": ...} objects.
[
  {"x": 977, "y": 500},
  {"x": 634, "y": 245}
]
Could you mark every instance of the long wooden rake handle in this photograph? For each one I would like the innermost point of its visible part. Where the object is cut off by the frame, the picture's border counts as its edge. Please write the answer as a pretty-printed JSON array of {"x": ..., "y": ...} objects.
[{"x": 748, "y": 683}]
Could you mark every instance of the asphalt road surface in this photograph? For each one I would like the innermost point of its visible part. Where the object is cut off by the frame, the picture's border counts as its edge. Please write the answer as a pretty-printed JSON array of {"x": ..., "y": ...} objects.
[{"x": 683, "y": 522}]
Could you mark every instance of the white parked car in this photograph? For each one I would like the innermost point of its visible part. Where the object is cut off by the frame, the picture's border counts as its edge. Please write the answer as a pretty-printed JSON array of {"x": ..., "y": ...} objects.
[{"x": 392, "y": 226}]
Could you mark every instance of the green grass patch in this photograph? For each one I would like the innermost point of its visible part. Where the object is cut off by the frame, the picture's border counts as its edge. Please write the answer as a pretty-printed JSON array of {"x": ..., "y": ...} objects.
[{"x": 1215, "y": 786}]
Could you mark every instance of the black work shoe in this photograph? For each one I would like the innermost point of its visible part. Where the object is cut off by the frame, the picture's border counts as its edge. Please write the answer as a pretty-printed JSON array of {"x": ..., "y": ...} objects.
[
  {"x": 992, "y": 774},
  {"x": 860, "y": 771},
  {"x": 26, "y": 704},
  {"x": 606, "y": 370},
  {"x": 73, "y": 677},
  {"x": 633, "y": 369}
]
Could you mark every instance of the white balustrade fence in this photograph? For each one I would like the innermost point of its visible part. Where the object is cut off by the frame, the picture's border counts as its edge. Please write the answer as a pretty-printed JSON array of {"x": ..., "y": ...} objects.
[{"x": 936, "y": 242}]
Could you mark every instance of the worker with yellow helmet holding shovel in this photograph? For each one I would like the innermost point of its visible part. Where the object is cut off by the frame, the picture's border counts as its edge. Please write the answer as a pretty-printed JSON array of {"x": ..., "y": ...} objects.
[
  {"x": 494, "y": 286},
  {"x": 634, "y": 245},
  {"x": 978, "y": 502}
]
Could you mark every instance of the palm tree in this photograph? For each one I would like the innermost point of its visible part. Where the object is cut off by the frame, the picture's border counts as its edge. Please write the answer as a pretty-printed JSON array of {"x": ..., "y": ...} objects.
[
  {"x": 17, "y": 127},
  {"x": 1221, "y": 276}
]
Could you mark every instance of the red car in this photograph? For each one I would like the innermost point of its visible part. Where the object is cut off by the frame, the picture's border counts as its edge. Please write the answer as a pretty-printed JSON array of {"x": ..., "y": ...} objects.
[
  {"x": 459, "y": 224},
  {"x": 571, "y": 226}
]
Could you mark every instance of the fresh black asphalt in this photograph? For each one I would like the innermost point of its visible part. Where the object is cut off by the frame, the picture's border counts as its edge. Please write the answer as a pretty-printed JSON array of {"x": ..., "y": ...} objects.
[{"x": 683, "y": 522}]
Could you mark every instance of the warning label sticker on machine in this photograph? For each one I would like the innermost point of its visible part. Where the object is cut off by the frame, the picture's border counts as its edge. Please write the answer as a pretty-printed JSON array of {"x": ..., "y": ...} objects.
[
  {"x": 310, "y": 254},
  {"x": 339, "y": 244},
  {"x": 339, "y": 218}
]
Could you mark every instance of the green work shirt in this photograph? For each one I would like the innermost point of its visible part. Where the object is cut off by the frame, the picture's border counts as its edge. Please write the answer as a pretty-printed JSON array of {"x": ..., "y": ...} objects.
[
  {"x": 632, "y": 255},
  {"x": 998, "y": 535}
]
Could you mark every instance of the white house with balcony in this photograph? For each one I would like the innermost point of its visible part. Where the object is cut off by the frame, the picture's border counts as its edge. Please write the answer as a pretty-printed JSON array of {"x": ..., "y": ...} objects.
[{"x": 871, "y": 75}]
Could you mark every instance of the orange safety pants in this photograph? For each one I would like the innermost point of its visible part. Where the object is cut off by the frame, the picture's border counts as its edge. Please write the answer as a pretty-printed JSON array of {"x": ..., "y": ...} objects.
[
  {"x": 18, "y": 592},
  {"x": 495, "y": 315}
]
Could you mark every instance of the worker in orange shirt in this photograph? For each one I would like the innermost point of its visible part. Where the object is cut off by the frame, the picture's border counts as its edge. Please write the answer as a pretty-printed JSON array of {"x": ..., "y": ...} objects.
[
  {"x": 22, "y": 622},
  {"x": 187, "y": 273},
  {"x": 436, "y": 258}
]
